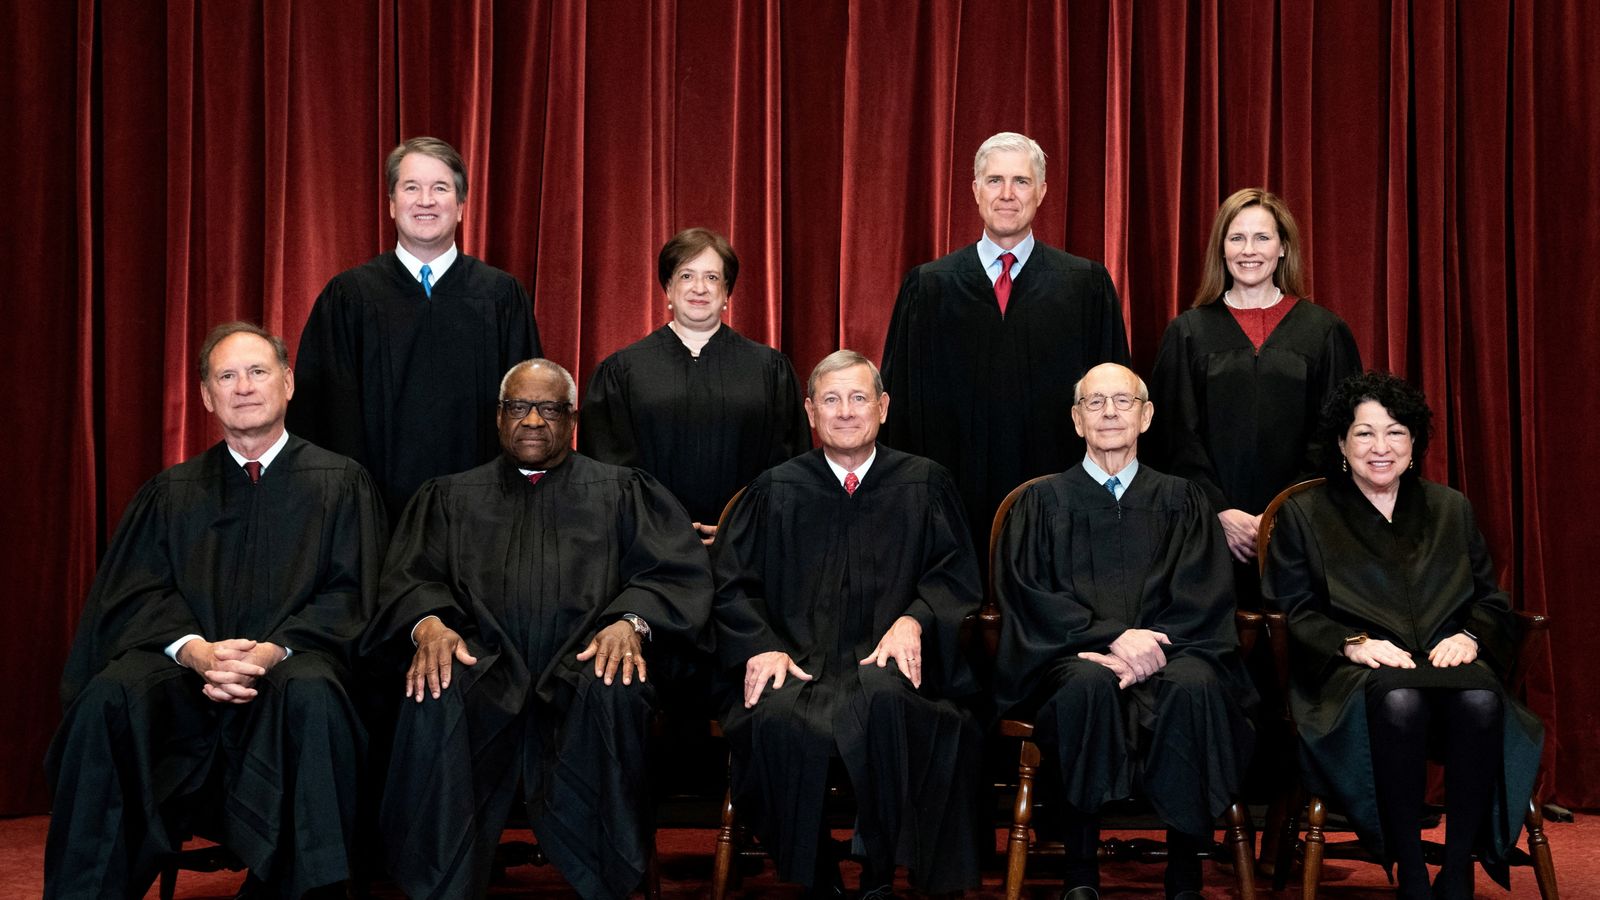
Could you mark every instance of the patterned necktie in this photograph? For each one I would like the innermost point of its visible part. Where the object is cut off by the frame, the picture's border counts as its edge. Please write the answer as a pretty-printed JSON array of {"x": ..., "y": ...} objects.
[
  {"x": 1002, "y": 285},
  {"x": 1112, "y": 484},
  {"x": 533, "y": 477},
  {"x": 254, "y": 468},
  {"x": 851, "y": 482},
  {"x": 427, "y": 280}
]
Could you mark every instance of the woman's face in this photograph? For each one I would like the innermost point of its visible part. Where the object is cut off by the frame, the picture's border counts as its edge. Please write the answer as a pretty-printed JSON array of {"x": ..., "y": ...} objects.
[
  {"x": 697, "y": 292},
  {"x": 1377, "y": 447},
  {"x": 1251, "y": 247}
]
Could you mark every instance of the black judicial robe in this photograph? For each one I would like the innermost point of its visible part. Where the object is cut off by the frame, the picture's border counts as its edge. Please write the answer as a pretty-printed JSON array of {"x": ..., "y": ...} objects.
[
  {"x": 293, "y": 560},
  {"x": 406, "y": 384},
  {"x": 1241, "y": 423},
  {"x": 805, "y": 568},
  {"x": 987, "y": 396},
  {"x": 703, "y": 426},
  {"x": 1336, "y": 567},
  {"x": 1075, "y": 568},
  {"x": 527, "y": 574}
]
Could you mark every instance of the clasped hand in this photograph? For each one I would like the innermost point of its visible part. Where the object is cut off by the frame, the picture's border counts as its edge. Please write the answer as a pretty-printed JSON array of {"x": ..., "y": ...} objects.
[
  {"x": 1135, "y": 655},
  {"x": 230, "y": 667}
]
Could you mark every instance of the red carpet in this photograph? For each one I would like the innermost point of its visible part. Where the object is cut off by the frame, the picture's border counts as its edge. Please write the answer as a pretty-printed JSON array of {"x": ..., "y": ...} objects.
[{"x": 686, "y": 869}]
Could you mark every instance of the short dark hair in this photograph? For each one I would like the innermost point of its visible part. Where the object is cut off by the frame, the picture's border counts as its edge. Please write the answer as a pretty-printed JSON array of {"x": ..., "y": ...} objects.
[
  {"x": 1405, "y": 403},
  {"x": 229, "y": 329},
  {"x": 691, "y": 242},
  {"x": 427, "y": 146}
]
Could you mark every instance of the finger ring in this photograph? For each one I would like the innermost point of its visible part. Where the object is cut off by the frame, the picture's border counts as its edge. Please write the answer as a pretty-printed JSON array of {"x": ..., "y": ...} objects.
[{"x": 629, "y": 653}]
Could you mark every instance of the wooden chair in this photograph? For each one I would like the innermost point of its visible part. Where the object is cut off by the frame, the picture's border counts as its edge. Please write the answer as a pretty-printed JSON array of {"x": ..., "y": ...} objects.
[
  {"x": 1020, "y": 846},
  {"x": 1282, "y": 838}
]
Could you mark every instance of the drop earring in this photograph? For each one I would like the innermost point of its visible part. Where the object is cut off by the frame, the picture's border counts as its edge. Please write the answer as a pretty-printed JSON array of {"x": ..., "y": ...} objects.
[{"x": 1344, "y": 463}]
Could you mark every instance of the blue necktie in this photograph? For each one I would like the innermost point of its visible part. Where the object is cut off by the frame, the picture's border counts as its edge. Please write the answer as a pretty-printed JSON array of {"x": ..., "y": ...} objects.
[
  {"x": 1112, "y": 484},
  {"x": 427, "y": 280}
]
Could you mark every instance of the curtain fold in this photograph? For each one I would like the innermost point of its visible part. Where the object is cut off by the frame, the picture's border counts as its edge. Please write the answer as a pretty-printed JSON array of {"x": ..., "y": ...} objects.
[{"x": 187, "y": 163}]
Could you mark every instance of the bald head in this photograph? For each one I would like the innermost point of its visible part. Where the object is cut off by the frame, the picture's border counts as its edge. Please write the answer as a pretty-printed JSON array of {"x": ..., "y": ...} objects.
[{"x": 1124, "y": 411}]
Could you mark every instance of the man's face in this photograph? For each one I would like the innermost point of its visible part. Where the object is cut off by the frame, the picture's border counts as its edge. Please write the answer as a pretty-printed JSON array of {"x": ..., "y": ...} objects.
[
  {"x": 248, "y": 389},
  {"x": 1109, "y": 429},
  {"x": 534, "y": 441},
  {"x": 424, "y": 206},
  {"x": 846, "y": 410},
  {"x": 1008, "y": 195}
]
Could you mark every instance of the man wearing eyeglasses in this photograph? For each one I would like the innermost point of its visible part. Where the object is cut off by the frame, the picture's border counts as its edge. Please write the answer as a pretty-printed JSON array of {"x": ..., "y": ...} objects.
[
  {"x": 209, "y": 687},
  {"x": 842, "y": 578},
  {"x": 1116, "y": 596},
  {"x": 540, "y": 591}
]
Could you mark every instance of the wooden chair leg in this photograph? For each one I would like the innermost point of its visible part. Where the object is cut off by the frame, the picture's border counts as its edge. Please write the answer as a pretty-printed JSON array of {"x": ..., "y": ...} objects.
[
  {"x": 724, "y": 859},
  {"x": 1242, "y": 844},
  {"x": 1021, "y": 816},
  {"x": 1316, "y": 818},
  {"x": 1544, "y": 866}
]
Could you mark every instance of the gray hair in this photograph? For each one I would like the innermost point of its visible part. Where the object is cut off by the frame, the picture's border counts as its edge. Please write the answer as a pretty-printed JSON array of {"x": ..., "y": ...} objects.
[
  {"x": 1143, "y": 393},
  {"x": 572, "y": 386},
  {"x": 838, "y": 361},
  {"x": 229, "y": 329},
  {"x": 1009, "y": 141}
]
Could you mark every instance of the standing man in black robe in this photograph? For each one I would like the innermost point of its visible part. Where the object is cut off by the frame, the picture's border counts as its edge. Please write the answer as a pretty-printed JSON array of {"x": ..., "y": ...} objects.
[
  {"x": 1117, "y": 638},
  {"x": 985, "y": 343},
  {"x": 401, "y": 357},
  {"x": 842, "y": 580},
  {"x": 531, "y": 587},
  {"x": 207, "y": 684}
]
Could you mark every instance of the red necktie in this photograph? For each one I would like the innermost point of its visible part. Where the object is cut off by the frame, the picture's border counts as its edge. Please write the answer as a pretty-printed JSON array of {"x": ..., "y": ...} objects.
[
  {"x": 1002, "y": 285},
  {"x": 533, "y": 477},
  {"x": 254, "y": 468},
  {"x": 851, "y": 482}
]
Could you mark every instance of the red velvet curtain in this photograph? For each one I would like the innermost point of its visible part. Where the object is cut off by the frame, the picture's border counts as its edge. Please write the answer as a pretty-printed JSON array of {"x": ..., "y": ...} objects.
[{"x": 187, "y": 162}]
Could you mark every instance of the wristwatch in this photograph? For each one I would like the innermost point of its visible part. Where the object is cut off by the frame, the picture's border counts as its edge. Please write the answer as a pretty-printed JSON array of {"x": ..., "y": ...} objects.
[
  {"x": 640, "y": 626},
  {"x": 1359, "y": 638}
]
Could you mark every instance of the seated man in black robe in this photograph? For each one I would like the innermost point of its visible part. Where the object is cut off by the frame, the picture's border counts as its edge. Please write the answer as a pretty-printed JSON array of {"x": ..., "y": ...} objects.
[
  {"x": 531, "y": 587},
  {"x": 1118, "y": 638},
  {"x": 207, "y": 686},
  {"x": 401, "y": 356},
  {"x": 842, "y": 579}
]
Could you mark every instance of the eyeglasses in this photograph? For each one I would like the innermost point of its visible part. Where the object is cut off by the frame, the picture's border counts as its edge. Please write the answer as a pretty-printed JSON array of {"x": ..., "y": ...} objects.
[
  {"x": 1097, "y": 402},
  {"x": 549, "y": 410}
]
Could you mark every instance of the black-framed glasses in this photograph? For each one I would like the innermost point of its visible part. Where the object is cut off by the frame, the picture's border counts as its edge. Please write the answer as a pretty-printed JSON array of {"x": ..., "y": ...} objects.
[
  {"x": 1097, "y": 402},
  {"x": 549, "y": 410}
]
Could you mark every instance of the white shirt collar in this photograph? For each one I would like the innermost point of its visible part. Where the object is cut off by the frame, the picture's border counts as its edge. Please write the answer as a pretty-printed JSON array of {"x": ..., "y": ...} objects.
[
  {"x": 1125, "y": 477},
  {"x": 840, "y": 472},
  {"x": 989, "y": 255},
  {"x": 436, "y": 266},
  {"x": 267, "y": 456}
]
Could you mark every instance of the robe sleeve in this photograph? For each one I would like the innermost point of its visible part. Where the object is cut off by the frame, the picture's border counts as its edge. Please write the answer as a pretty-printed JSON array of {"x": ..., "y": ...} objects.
[
  {"x": 948, "y": 590},
  {"x": 1180, "y": 414},
  {"x": 1489, "y": 617},
  {"x": 350, "y": 563},
  {"x": 1042, "y": 619},
  {"x": 666, "y": 576},
  {"x": 1294, "y": 583},
  {"x": 1199, "y": 612},
  {"x": 417, "y": 577},
  {"x": 327, "y": 408},
  {"x": 739, "y": 557},
  {"x": 901, "y": 358},
  {"x": 1339, "y": 360},
  {"x": 605, "y": 425},
  {"x": 519, "y": 332},
  {"x": 790, "y": 430},
  {"x": 134, "y": 603}
]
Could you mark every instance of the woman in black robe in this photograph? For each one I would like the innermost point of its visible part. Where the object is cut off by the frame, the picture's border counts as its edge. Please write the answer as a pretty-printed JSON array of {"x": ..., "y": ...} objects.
[
  {"x": 1241, "y": 376},
  {"x": 1400, "y": 640},
  {"x": 697, "y": 405}
]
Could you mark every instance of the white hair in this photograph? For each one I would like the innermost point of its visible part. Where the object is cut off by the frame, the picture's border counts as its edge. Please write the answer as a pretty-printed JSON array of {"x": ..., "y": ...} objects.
[
  {"x": 572, "y": 386},
  {"x": 1009, "y": 141}
]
